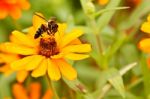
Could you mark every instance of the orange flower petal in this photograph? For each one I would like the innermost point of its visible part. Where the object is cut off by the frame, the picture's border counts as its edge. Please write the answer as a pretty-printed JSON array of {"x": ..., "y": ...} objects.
[
  {"x": 48, "y": 94},
  {"x": 23, "y": 39},
  {"x": 6, "y": 70},
  {"x": 13, "y": 39},
  {"x": 62, "y": 28},
  {"x": 103, "y": 2},
  {"x": 60, "y": 55},
  {"x": 19, "y": 92},
  {"x": 70, "y": 37},
  {"x": 73, "y": 56},
  {"x": 3, "y": 13},
  {"x": 80, "y": 48},
  {"x": 17, "y": 49},
  {"x": 8, "y": 73},
  {"x": 35, "y": 91},
  {"x": 36, "y": 60},
  {"x": 7, "y": 58},
  {"x": 22, "y": 75},
  {"x": 41, "y": 69},
  {"x": 74, "y": 42},
  {"x": 66, "y": 69},
  {"x": 15, "y": 12},
  {"x": 31, "y": 32},
  {"x": 61, "y": 31},
  {"x": 144, "y": 45},
  {"x": 11, "y": 1},
  {"x": 53, "y": 70},
  {"x": 146, "y": 27},
  {"x": 21, "y": 63},
  {"x": 24, "y": 4}
]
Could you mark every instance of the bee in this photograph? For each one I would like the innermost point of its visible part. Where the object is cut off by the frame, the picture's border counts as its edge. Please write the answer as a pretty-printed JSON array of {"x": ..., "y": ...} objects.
[{"x": 50, "y": 28}]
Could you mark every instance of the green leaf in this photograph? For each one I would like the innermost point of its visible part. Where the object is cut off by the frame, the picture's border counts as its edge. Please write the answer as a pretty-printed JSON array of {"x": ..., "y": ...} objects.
[
  {"x": 115, "y": 79},
  {"x": 76, "y": 85},
  {"x": 132, "y": 55},
  {"x": 88, "y": 96},
  {"x": 115, "y": 47},
  {"x": 110, "y": 76},
  {"x": 114, "y": 95},
  {"x": 109, "y": 9},
  {"x": 146, "y": 75},
  {"x": 136, "y": 15},
  {"x": 3, "y": 37},
  {"x": 84, "y": 68},
  {"x": 104, "y": 19},
  {"x": 5, "y": 89},
  {"x": 132, "y": 51}
]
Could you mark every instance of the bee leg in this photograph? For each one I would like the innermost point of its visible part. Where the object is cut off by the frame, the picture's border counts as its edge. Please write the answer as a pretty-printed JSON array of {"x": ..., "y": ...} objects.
[
  {"x": 48, "y": 32},
  {"x": 41, "y": 35}
]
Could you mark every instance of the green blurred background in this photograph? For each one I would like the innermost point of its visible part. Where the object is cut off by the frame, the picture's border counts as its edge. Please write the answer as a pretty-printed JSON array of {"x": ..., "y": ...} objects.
[{"x": 119, "y": 43}]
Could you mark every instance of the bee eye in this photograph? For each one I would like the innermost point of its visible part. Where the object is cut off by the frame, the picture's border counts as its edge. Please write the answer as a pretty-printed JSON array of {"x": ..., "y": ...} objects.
[
  {"x": 49, "y": 25},
  {"x": 54, "y": 26}
]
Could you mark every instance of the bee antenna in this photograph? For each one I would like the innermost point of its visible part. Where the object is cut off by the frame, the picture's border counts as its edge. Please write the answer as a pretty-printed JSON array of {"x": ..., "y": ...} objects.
[{"x": 40, "y": 16}]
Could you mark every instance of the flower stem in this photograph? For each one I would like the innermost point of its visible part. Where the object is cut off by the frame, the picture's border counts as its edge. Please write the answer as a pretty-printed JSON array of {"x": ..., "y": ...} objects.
[
  {"x": 94, "y": 28},
  {"x": 98, "y": 39},
  {"x": 99, "y": 42},
  {"x": 51, "y": 84}
]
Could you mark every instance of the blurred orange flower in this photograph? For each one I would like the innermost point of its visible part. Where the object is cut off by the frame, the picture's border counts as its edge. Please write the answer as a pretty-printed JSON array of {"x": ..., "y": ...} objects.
[
  {"x": 5, "y": 60},
  {"x": 13, "y": 8},
  {"x": 144, "y": 44},
  {"x": 33, "y": 92},
  {"x": 44, "y": 56},
  {"x": 103, "y": 2},
  {"x": 133, "y": 3}
]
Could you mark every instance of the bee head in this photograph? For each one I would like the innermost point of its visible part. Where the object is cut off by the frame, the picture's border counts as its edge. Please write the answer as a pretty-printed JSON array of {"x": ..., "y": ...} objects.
[{"x": 53, "y": 26}]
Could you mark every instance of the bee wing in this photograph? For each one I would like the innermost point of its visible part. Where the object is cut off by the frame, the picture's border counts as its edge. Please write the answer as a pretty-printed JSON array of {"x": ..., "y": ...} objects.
[{"x": 38, "y": 20}]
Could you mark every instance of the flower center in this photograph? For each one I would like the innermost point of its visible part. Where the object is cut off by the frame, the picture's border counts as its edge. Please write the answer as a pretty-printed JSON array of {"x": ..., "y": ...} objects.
[
  {"x": 48, "y": 47},
  {"x": 2, "y": 64}
]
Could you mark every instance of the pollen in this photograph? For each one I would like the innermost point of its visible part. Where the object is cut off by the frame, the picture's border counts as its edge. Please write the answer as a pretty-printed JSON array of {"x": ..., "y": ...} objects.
[{"x": 48, "y": 47}]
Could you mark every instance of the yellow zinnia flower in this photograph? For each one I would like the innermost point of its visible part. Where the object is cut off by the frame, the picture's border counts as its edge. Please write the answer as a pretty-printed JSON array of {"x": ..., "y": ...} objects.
[
  {"x": 146, "y": 25},
  {"x": 47, "y": 54},
  {"x": 144, "y": 44},
  {"x": 5, "y": 60}
]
